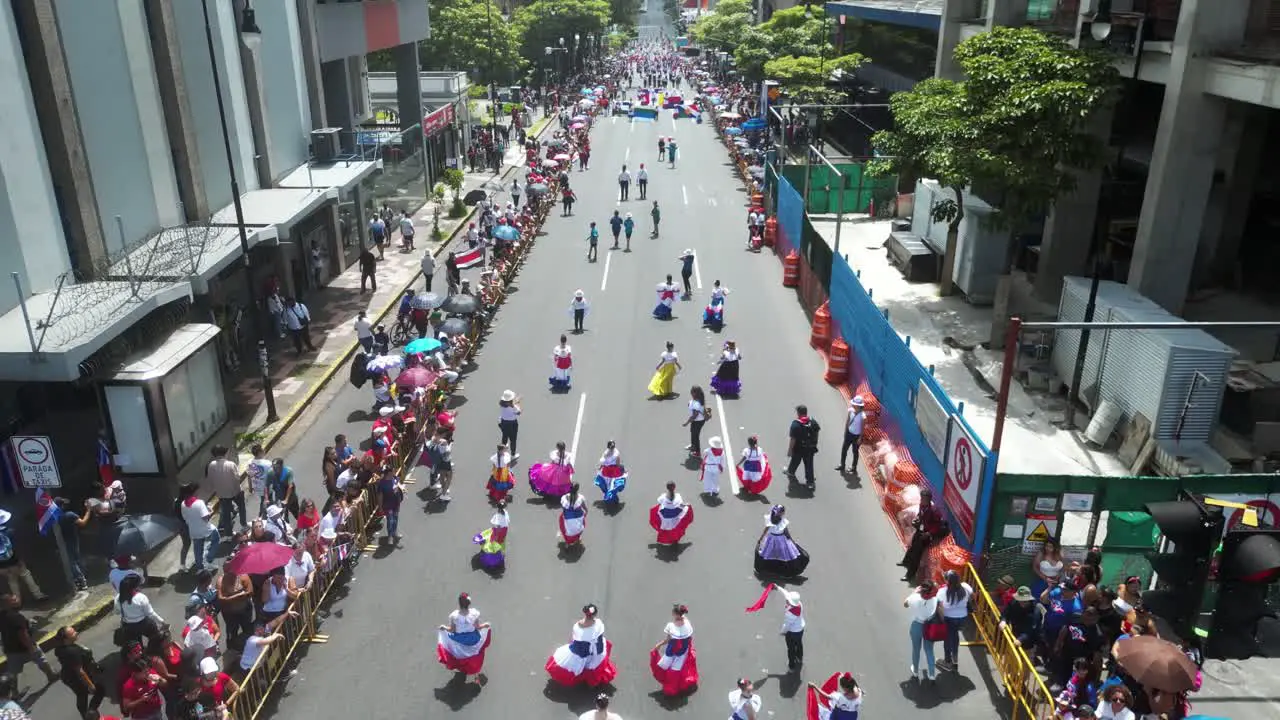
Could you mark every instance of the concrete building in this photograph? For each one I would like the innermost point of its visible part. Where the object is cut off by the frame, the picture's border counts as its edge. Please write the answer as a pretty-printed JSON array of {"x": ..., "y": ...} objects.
[{"x": 116, "y": 217}]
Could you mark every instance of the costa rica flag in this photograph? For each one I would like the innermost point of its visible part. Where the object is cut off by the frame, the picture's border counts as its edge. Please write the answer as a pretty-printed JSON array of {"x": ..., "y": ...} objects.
[
  {"x": 470, "y": 258},
  {"x": 47, "y": 513}
]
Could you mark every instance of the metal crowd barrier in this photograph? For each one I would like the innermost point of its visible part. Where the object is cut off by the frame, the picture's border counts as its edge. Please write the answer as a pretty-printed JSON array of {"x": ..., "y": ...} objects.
[{"x": 1026, "y": 690}]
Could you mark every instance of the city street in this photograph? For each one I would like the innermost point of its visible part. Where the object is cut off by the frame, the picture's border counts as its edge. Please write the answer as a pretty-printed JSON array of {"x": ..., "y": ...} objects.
[{"x": 381, "y": 658}]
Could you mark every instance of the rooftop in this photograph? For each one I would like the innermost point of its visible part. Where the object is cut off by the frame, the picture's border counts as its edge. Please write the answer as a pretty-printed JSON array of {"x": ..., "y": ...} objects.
[
  {"x": 282, "y": 207},
  {"x": 925, "y": 14}
]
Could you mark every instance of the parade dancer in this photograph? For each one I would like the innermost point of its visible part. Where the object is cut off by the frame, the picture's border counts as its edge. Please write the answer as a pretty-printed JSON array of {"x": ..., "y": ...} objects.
[
  {"x": 673, "y": 661},
  {"x": 744, "y": 701},
  {"x": 686, "y": 270},
  {"x": 792, "y": 623},
  {"x": 501, "y": 481},
  {"x": 671, "y": 517},
  {"x": 463, "y": 640},
  {"x": 839, "y": 698},
  {"x": 666, "y": 299},
  {"x": 713, "y": 463},
  {"x": 776, "y": 553},
  {"x": 553, "y": 478},
  {"x": 713, "y": 315},
  {"x": 562, "y": 363},
  {"x": 727, "y": 380},
  {"x": 579, "y": 308},
  {"x": 586, "y": 659},
  {"x": 493, "y": 542},
  {"x": 664, "y": 375},
  {"x": 573, "y": 516},
  {"x": 602, "y": 710},
  {"x": 611, "y": 477},
  {"x": 753, "y": 468}
]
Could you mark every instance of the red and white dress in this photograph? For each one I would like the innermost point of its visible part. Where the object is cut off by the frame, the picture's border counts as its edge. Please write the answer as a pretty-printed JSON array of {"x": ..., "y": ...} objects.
[
  {"x": 674, "y": 664},
  {"x": 562, "y": 363},
  {"x": 754, "y": 473},
  {"x": 586, "y": 660},
  {"x": 833, "y": 704},
  {"x": 671, "y": 518},
  {"x": 463, "y": 649},
  {"x": 573, "y": 519}
]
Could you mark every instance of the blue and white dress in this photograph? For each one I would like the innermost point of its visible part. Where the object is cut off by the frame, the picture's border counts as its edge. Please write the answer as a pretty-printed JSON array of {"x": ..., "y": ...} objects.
[{"x": 463, "y": 649}]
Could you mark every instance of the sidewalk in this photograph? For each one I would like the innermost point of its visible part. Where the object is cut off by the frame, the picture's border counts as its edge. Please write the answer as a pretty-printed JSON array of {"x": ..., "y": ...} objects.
[{"x": 297, "y": 380}]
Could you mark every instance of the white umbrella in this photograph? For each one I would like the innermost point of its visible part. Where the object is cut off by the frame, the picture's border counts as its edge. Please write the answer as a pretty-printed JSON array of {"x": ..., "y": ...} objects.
[{"x": 383, "y": 363}]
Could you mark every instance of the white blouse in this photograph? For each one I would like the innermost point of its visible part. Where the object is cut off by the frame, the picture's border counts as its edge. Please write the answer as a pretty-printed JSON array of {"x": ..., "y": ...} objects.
[
  {"x": 697, "y": 411},
  {"x": 464, "y": 622},
  {"x": 666, "y": 502},
  {"x": 137, "y": 609},
  {"x": 776, "y": 529},
  {"x": 668, "y": 358}
]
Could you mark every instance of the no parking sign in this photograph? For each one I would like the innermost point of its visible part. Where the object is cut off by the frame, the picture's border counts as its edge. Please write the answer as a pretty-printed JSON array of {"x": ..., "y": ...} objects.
[
  {"x": 966, "y": 464},
  {"x": 36, "y": 464}
]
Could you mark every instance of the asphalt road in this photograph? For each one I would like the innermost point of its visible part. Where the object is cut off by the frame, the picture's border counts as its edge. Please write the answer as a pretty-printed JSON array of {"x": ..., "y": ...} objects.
[{"x": 380, "y": 658}]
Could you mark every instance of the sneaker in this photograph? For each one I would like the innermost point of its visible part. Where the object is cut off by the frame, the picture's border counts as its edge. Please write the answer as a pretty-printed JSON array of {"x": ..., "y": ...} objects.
[
  {"x": 434, "y": 486},
  {"x": 445, "y": 497}
]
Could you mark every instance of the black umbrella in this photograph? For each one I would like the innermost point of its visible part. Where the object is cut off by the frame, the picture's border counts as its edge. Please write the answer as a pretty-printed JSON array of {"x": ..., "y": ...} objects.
[
  {"x": 359, "y": 373},
  {"x": 474, "y": 197},
  {"x": 427, "y": 300},
  {"x": 455, "y": 326},
  {"x": 461, "y": 304},
  {"x": 537, "y": 189},
  {"x": 138, "y": 534}
]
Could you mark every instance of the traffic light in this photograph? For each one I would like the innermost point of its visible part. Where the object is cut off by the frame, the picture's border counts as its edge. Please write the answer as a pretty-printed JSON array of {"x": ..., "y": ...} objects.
[
  {"x": 1247, "y": 567},
  {"x": 1191, "y": 530}
]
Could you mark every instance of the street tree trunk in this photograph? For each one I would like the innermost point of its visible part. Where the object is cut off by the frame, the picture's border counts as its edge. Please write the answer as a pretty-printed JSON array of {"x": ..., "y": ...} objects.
[{"x": 946, "y": 286}]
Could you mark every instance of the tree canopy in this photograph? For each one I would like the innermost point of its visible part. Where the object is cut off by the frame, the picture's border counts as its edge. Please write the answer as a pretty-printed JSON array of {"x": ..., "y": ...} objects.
[
  {"x": 805, "y": 78},
  {"x": 543, "y": 23},
  {"x": 723, "y": 28},
  {"x": 789, "y": 33},
  {"x": 1017, "y": 126},
  {"x": 461, "y": 39}
]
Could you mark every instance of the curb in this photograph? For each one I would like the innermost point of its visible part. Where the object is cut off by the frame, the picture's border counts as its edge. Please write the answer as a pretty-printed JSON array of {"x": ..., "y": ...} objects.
[{"x": 92, "y": 615}]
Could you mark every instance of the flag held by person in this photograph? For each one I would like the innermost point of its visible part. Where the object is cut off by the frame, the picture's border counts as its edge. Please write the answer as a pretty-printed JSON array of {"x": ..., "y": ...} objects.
[
  {"x": 470, "y": 258},
  {"x": 47, "y": 512}
]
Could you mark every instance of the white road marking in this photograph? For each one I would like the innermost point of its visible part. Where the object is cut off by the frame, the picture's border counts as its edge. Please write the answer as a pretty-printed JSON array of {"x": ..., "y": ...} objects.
[
  {"x": 627, "y": 156},
  {"x": 711, "y": 201},
  {"x": 684, "y": 191},
  {"x": 697, "y": 274},
  {"x": 728, "y": 451},
  {"x": 577, "y": 427},
  {"x": 604, "y": 281},
  {"x": 633, "y": 126}
]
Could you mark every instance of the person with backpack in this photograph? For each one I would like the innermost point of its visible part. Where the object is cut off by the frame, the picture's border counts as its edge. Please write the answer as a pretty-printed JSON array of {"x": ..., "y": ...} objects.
[
  {"x": 803, "y": 445},
  {"x": 11, "y": 565}
]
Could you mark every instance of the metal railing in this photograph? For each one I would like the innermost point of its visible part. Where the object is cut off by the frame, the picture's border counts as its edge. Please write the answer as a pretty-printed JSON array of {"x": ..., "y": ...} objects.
[{"x": 1026, "y": 690}]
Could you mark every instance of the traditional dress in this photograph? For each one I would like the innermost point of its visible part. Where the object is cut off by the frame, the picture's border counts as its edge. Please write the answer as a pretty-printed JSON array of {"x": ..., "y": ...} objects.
[
  {"x": 838, "y": 707},
  {"x": 663, "y": 382},
  {"x": 585, "y": 660},
  {"x": 713, "y": 460},
  {"x": 562, "y": 363},
  {"x": 573, "y": 519},
  {"x": 754, "y": 473},
  {"x": 671, "y": 518},
  {"x": 738, "y": 704},
  {"x": 713, "y": 315},
  {"x": 553, "y": 478},
  {"x": 463, "y": 649},
  {"x": 667, "y": 293},
  {"x": 493, "y": 542},
  {"x": 777, "y": 554},
  {"x": 612, "y": 477},
  {"x": 726, "y": 380},
  {"x": 500, "y": 478},
  {"x": 675, "y": 665}
]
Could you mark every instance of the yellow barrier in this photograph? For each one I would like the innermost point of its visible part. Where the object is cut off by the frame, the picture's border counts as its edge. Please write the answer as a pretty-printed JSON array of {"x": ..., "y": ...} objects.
[{"x": 1025, "y": 688}]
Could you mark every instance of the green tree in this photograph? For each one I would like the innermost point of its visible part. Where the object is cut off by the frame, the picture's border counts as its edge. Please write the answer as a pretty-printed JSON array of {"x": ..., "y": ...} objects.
[
  {"x": 805, "y": 78},
  {"x": 789, "y": 33},
  {"x": 472, "y": 36},
  {"x": 1017, "y": 126},
  {"x": 723, "y": 28},
  {"x": 454, "y": 178},
  {"x": 544, "y": 23},
  {"x": 624, "y": 12}
]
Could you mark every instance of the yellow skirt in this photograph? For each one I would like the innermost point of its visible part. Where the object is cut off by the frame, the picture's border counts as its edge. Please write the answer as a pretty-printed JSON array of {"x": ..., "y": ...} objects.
[{"x": 663, "y": 381}]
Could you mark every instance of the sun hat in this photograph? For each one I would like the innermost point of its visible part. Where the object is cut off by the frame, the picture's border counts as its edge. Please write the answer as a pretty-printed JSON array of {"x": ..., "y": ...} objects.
[
  {"x": 208, "y": 666},
  {"x": 1023, "y": 594},
  {"x": 579, "y": 294},
  {"x": 328, "y": 534},
  {"x": 716, "y": 443},
  {"x": 274, "y": 511},
  {"x": 508, "y": 396},
  {"x": 386, "y": 412},
  {"x": 791, "y": 596},
  {"x": 857, "y": 401}
]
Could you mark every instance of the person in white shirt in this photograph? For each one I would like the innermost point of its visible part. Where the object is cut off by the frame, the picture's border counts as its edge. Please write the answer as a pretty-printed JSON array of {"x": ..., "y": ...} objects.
[
  {"x": 744, "y": 701},
  {"x": 364, "y": 331},
  {"x": 624, "y": 184},
  {"x": 137, "y": 617},
  {"x": 1115, "y": 704},
  {"x": 198, "y": 636},
  {"x": 854, "y": 421},
  {"x": 428, "y": 268},
  {"x": 275, "y": 308},
  {"x": 602, "y": 710},
  {"x": 955, "y": 598},
  {"x": 922, "y": 608},
  {"x": 300, "y": 570},
  {"x": 264, "y": 635},
  {"x": 407, "y": 231},
  {"x": 509, "y": 421},
  {"x": 121, "y": 568},
  {"x": 579, "y": 307},
  {"x": 297, "y": 320},
  {"x": 642, "y": 182},
  {"x": 204, "y": 534}
]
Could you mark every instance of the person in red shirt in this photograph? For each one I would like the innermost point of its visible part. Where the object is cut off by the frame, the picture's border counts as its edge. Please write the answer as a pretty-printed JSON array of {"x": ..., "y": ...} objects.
[
  {"x": 216, "y": 682},
  {"x": 141, "y": 699},
  {"x": 930, "y": 527}
]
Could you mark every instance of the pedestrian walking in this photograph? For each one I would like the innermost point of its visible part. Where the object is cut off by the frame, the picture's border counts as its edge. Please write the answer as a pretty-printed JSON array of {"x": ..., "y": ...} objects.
[
  {"x": 955, "y": 599},
  {"x": 686, "y": 270},
  {"x": 428, "y": 268},
  {"x": 368, "y": 270},
  {"x": 18, "y": 643},
  {"x": 407, "y": 232},
  {"x": 452, "y": 274},
  {"x": 656, "y": 215},
  {"x": 629, "y": 227},
  {"x": 509, "y": 421},
  {"x": 671, "y": 151},
  {"x": 223, "y": 476},
  {"x": 698, "y": 414},
  {"x": 593, "y": 241},
  {"x": 297, "y": 319},
  {"x": 642, "y": 181},
  {"x": 854, "y": 421},
  {"x": 515, "y": 192},
  {"x": 922, "y": 608},
  {"x": 579, "y": 308},
  {"x": 624, "y": 184},
  {"x": 662, "y": 149},
  {"x": 378, "y": 234},
  {"x": 79, "y": 670},
  {"x": 567, "y": 198},
  {"x": 204, "y": 535},
  {"x": 364, "y": 331},
  {"x": 803, "y": 445},
  {"x": 615, "y": 226}
]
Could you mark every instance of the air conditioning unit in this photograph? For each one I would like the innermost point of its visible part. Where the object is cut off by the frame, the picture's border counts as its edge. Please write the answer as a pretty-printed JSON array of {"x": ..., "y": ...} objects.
[{"x": 326, "y": 144}]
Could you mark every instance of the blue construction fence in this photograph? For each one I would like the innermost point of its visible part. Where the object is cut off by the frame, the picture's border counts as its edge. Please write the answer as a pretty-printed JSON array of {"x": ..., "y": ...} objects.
[{"x": 881, "y": 361}]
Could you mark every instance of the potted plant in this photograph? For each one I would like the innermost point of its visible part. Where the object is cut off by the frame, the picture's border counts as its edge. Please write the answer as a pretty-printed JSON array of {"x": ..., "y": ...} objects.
[{"x": 454, "y": 178}]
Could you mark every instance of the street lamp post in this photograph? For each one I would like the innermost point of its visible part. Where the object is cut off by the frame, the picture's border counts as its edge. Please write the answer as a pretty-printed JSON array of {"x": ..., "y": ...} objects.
[{"x": 264, "y": 361}]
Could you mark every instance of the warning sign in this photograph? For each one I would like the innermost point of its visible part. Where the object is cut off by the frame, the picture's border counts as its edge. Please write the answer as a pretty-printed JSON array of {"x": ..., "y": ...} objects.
[
  {"x": 965, "y": 463},
  {"x": 36, "y": 465},
  {"x": 1038, "y": 529}
]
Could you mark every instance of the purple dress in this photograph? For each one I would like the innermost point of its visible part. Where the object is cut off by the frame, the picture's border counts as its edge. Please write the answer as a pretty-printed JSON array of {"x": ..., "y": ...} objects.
[{"x": 777, "y": 554}]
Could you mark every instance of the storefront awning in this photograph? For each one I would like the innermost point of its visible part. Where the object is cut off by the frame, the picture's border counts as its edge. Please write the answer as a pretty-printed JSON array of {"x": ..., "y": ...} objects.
[
  {"x": 69, "y": 325},
  {"x": 282, "y": 207},
  {"x": 343, "y": 175}
]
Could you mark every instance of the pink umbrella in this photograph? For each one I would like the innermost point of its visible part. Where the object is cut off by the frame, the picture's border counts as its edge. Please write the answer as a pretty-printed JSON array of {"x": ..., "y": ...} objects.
[
  {"x": 550, "y": 163},
  {"x": 414, "y": 377},
  {"x": 562, "y": 157},
  {"x": 578, "y": 126},
  {"x": 258, "y": 558}
]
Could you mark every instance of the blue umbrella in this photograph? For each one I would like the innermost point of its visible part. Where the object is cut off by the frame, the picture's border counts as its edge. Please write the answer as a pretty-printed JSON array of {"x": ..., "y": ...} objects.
[
  {"x": 506, "y": 232},
  {"x": 754, "y": 123},
  {"x": 733, "y": 131},
  {"x": 423, "y": 345}
]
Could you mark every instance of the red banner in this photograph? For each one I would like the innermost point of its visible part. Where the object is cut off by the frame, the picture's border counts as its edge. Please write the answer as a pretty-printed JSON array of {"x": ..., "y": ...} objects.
[{"x": 438, "y": 120}]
